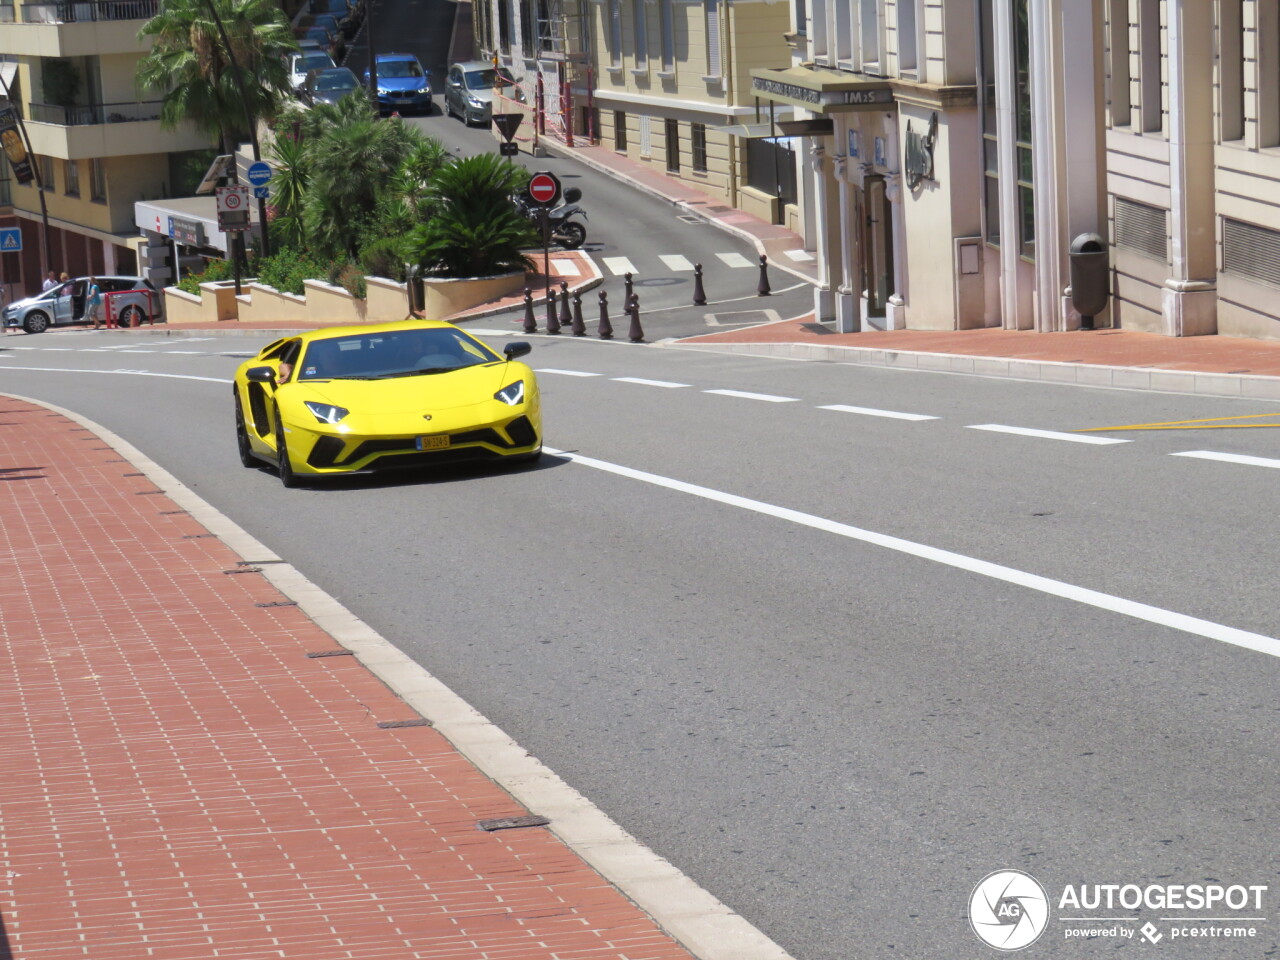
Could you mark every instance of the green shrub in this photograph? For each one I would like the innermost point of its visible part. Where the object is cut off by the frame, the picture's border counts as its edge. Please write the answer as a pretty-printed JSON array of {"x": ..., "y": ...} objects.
[
  {"x": 287, "y": 270},
  {"x": 384, "y": 258},
  {"x": 214, "y": 270}
]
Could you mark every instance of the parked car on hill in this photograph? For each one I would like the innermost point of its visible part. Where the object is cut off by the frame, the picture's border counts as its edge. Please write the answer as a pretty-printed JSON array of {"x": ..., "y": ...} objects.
[
  {"x": 301, "y": 64},
  {"x": 329, "y": 86}
]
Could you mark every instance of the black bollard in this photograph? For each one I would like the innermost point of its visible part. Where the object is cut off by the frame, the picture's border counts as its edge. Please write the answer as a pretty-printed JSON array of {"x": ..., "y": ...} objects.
[
  {"x": 635, "y": 334},
  {"x": 530, "y": 323},
  {"x": 577, "y": 326},
  {"x": 553, "y": 325},
  {"x": 627, "y": 283},
  {"x": 606, "y": 328},
  {"x": 699, "y": 296},
  {"x": 763, "y": 289},
  {"x": 565, "y": 319}
]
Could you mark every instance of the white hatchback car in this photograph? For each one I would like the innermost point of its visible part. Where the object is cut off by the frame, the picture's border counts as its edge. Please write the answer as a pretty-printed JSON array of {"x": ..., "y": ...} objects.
[
  {"x": 301, "y": 64},
  {"x": 135, "y": 301}
]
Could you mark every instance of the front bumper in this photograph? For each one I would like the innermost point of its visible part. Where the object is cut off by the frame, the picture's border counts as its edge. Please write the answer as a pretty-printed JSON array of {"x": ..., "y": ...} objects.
[{"x": 404, "y": 100}]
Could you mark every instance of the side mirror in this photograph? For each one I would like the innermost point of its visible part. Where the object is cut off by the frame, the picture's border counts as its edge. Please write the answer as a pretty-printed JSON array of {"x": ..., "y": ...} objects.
[
  {"x": 517, "y": 348},
  {"x": 260, "y": 374}
]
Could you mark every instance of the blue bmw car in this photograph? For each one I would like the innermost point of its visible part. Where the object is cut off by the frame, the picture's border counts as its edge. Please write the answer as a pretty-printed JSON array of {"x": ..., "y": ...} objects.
[{"x": 403, "y": 85}]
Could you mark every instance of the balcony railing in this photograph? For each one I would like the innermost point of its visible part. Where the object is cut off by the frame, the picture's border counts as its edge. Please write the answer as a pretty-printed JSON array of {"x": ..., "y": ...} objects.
[
  {"x": 93, "y": 113},
  {"x": 89, "y": 11}
]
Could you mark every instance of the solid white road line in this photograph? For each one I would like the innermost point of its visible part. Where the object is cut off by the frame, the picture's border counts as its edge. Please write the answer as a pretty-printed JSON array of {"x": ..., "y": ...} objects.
[
  {"x": 648, "y": 383},
  {"x": 619, "y": 265},
  {"x": 124, "y": 373},
  {"x": 995, "y": 571},
  {"x": 734, "y": 260},
  {"x": 566, "y": 373},
  {"x": 137, "y": 351},
  {"x": 194, "y": 353},
  {"x": 674, "y": 261},
  {"x": 1045, "y": 434},
  {"x": 752, "y": 396},
  {"x": 1229, "y": 458},
  {"x": 871, "y": 412}
]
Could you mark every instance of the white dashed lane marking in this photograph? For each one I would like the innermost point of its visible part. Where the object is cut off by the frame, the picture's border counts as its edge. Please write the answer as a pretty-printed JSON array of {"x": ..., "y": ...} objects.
[
  {"x": 649, "y": 383},
  {"x": 619, "y": 265},
  {"x": 767, "y": 397},
  {"x": 1229, "y": 458},
  {"x": 1046, "y": 434},
  {"x": 567, "y": 373},
  {"x": 871, "y": 412},
  {"x": 673, "y": 261},
  {"x": 734, "y": 260}
]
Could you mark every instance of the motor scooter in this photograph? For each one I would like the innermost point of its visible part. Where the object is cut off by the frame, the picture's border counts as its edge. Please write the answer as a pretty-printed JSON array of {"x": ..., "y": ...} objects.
[{"x": 560, "y": 223}]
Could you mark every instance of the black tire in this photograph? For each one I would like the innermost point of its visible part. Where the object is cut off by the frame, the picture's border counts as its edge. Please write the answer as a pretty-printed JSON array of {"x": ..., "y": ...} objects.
[
  {"x": 573, "y": 235},
  {"x": 247, "y": 459},
  {"x": 36, "y": 322},
  {"x": 132, "y": 316},
  {"x": 288, "y": 478}
]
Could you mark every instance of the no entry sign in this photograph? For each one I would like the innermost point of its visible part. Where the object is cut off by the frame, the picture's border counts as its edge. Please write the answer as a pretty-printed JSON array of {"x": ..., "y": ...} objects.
[{"x": 544, "y": 188}]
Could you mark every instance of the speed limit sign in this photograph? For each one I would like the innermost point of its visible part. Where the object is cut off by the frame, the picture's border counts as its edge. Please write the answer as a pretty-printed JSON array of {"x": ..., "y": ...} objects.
[{"x": 233, "y": 207}]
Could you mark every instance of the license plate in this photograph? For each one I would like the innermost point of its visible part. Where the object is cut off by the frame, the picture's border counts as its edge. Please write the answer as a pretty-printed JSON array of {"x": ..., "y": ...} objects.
[{"x": 433, "y": 443}]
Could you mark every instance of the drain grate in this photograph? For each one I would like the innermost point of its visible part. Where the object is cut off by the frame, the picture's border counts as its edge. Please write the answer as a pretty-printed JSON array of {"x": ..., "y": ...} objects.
[
  {"x": 397, "y": 724},
  {"x": 244, "y": 570},
  {"x": 133, "y": 474},
  {"x": 170, "y": 513},
  {"x": 257, "y": 563},
  {"x": 816, "y": 328},
  {"x": 115, "y": 461},
  {"x": 321, "y": 654},
  {"x": 512, "y": 823},
  {"x": 197, "y": 536},
  {"x": 690, "y": 218},
  {"x": 278, "y": 603},
  {"x": 147, "y": 493}
]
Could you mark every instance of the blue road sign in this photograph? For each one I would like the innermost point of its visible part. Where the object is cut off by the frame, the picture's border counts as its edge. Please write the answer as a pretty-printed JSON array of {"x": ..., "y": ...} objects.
[
  {"x": 10, "y": 239},
  {"x": 262, "y": 193},
  {"x": 258, "y": 173}
]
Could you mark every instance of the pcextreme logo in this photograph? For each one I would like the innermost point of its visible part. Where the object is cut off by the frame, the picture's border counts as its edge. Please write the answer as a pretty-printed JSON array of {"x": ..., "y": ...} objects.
[{"x": 1008, "y": 910}]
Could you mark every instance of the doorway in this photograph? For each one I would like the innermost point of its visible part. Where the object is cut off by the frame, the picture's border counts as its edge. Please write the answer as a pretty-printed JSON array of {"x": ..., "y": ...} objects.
[{"x": 877, "y": 250}]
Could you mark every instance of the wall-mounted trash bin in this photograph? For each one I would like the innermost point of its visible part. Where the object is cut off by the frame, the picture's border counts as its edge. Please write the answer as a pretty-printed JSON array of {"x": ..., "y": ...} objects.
[{"x": 1090, "y": 283}]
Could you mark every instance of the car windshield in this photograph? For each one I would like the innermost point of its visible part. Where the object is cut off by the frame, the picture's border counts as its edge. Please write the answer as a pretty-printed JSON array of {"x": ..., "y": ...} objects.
[
  {"x": 336, "y": 81},
  {"x": 481, "y": 79},
  {"x": 398, "y": 353},
  {"x": 398, "y": 69},
  {"x": 313, "y": 61}
]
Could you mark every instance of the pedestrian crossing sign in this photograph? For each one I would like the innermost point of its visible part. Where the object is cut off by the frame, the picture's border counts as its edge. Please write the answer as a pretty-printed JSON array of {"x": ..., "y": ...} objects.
[{"x": 10, "y": 239}]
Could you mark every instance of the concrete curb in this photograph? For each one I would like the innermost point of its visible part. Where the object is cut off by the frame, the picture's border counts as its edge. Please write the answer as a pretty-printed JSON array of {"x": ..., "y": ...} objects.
[
  {"x": 1129, "y": 378},
  {"x": 689, "y": 914}
]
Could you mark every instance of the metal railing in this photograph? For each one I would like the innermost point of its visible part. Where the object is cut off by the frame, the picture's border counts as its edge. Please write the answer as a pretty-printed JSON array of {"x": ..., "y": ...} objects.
[
  {"x": 89, "y": 11},
  {"x": 95, "y": 113}
]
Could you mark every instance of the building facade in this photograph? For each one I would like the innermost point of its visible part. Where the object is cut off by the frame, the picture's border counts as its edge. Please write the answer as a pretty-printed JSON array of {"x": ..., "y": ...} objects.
[{"x": 95, "y": 137}]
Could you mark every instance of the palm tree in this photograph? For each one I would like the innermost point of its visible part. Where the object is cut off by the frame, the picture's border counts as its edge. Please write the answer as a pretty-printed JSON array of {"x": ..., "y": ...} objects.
[
  {"x": 289, "y": 183},
  {"x": 189, "y": 62},
  {"x": 475, "y": 230}
]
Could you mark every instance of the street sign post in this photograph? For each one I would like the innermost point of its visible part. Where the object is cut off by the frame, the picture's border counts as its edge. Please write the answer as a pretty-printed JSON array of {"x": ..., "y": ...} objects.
[
  {"x": 262, "y": 193},
  {"x": 508, "y": 149},
  {"x": 259, "y": 174},
  {"x": 507, "y": 124},
  {"x": 233, "y": 208},
  {"x": 11, "y": 240}
]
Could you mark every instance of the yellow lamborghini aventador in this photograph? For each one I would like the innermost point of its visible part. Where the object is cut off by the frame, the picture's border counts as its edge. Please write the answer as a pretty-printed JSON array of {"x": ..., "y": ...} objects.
[{"x": 381, "y": 397}]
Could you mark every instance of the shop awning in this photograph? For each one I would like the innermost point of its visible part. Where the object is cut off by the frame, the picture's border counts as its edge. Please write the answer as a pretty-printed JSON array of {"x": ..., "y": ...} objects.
[{"x": 820, "y": 90}]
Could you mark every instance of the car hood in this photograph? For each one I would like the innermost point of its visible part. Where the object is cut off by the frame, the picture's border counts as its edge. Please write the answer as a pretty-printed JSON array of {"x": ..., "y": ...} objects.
[
  {"x": 434, "y": 391},
  {"x": 401, "y": 83},
  {"x": 25, "y": 302}
]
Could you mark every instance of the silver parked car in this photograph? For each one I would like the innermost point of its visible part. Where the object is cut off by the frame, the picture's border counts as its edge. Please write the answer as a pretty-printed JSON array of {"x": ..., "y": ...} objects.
[
  {"x": 469, "y": 89},
  {"x": 136, "y": 301}
]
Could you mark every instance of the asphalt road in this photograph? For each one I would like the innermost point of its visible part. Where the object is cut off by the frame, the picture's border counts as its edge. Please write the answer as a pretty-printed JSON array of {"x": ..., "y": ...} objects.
[{"x": 834, "y": 664}]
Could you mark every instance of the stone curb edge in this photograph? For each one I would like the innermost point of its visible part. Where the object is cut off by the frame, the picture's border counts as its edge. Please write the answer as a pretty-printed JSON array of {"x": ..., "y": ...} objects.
[
  {"x": 1245, "y": 386},
  {"x": 693, "y": 917}
]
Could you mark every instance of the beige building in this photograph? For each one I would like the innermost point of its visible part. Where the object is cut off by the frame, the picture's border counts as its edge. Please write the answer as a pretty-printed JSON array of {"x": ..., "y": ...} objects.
[{"x": 95, "y": 137}]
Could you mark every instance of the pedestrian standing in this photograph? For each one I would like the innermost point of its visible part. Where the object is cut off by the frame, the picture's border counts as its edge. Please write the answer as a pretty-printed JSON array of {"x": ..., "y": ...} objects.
[
  {"x": 50, "y": 281},
  {"x": 93, "y": 303}
]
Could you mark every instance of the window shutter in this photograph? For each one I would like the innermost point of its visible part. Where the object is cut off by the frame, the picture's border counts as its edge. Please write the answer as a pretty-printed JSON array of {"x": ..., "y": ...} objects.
[
  {"x": 713, "y": 38},
  {"x": 1250, "y": 251},
  {"x": 1141, "y": 228},
  {"x": 645, "y": 146}
]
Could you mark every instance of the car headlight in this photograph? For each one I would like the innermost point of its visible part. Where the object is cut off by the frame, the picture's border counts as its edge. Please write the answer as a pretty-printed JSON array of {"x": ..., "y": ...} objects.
[
  {"x": 512, "y": 394},
  {"x": 475, "y": 101},
  {"x": 326, "y": 412}
]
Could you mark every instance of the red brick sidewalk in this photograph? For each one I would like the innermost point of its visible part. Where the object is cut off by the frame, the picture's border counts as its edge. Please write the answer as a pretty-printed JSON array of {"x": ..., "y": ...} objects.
[{"x": 182, "y": 782}]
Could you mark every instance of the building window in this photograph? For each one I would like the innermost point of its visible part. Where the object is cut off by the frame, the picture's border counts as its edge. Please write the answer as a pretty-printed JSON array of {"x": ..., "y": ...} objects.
[
  {"x": 504, "y": 26},
  {"x": 1231, "y": 68},
  {"x": 1149, "y": 86},
  {"x": 615, "y": 34},
  {"x": 71, "y": 173},
  {"x": 46, "y": 173},
  {"x": 620, "y": 131},
  {"x": 98, "y": 180},
  {"x": 1267, "y": 71},
  {"x": 870, "y": 35},
  {"x": 990, "y": 143},
  {"x": 640, "y": 16},
  {"x": 907, "y": 37},
  {"x": 1023, "y": 129},
  {"x": 698, "y": 145},
  {"x": 668, "y": 38},
  {"x": 673, "y": 146},
  {"x": 646, "y": 137},
  {"x": 526, "y": 28},
  {"x": 1118, "y": 59},
  {"x": 711, "y": 9}
]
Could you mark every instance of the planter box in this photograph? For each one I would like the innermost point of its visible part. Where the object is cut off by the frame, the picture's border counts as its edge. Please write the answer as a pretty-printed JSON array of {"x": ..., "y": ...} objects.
[{"x": 446, "y": 298}]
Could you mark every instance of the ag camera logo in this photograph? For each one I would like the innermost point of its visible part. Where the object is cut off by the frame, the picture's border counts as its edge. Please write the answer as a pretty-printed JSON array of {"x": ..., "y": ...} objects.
[{"x": 1008, "y": 910}]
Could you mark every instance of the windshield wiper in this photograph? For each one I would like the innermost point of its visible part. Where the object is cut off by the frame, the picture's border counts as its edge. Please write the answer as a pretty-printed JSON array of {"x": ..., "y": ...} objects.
[{"x": 414, "y": 373}]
